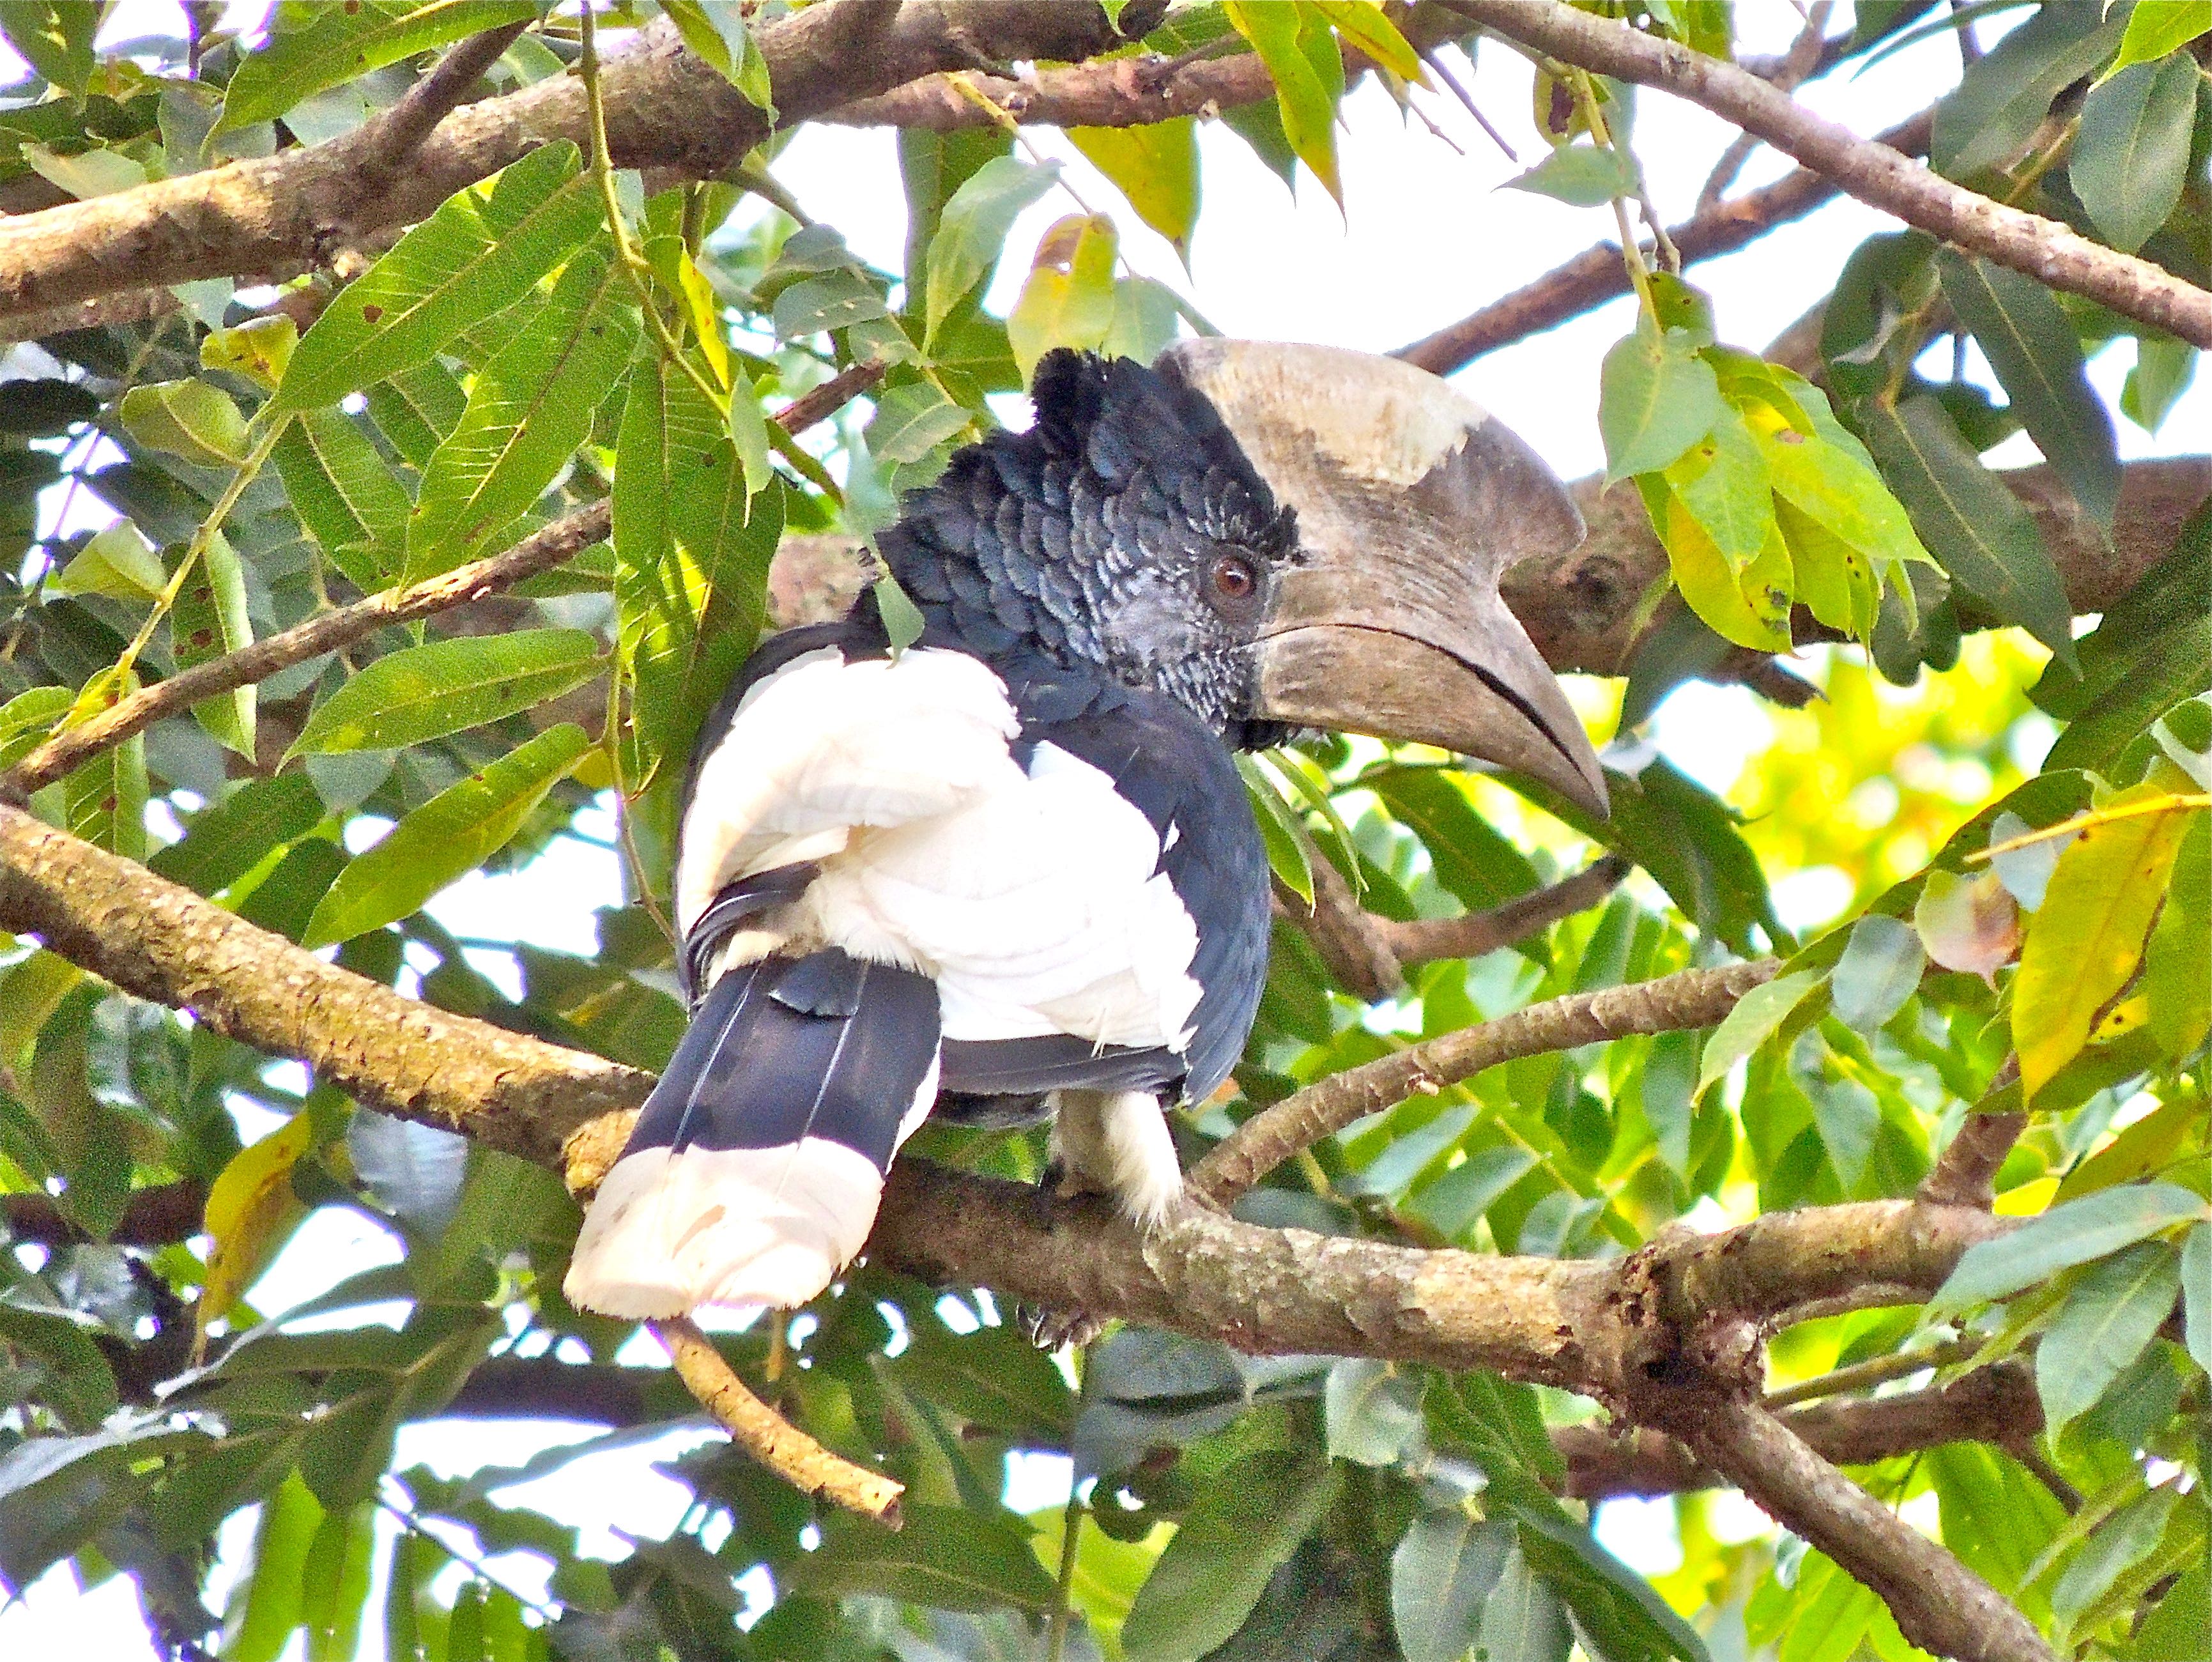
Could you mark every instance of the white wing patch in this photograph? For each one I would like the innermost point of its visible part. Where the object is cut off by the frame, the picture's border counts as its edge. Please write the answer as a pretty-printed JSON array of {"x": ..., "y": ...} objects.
[
  {"x": 1033, "y": 898},
  {"x": 823, "y": 747}
]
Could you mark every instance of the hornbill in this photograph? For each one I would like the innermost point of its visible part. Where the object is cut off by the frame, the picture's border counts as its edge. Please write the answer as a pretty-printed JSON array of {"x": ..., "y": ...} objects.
[{"x": 1012, "y": 869}]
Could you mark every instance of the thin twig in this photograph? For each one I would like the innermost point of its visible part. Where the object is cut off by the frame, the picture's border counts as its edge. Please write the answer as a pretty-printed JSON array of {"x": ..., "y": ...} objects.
[
  {"x": 833, "y": 395},
  {"x": 562, "y": 540},
  {"x": 1688, "y": 999},
  {"x": 387, "y": 142},
  {"x": 769, "y": 1437},
  {"x": 2050, "y": 252},
  {"x": 1861, "y": 1375},
  {"x": 1796, "y": 67},
  {"x": 1435, "y": 61},
  {"x": 1596, "y": 275}
]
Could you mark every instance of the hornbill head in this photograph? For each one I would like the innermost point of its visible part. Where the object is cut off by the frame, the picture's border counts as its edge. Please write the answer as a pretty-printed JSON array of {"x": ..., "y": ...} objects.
[
  {"x": 1276, "y": 536},
  {"x": 1411, "y": 502}
]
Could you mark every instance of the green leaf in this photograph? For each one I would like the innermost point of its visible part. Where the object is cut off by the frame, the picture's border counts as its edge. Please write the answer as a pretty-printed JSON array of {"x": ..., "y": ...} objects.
[
  {"x": 1617, "y": 1609},
  {"x": 941, "y": 1555},
  {"x": 2153, "y": 649},
  {"x": 315, "y": 47},
  {"x": 2197, "y": 1293},
  {"x": 531, "y": 407},
  {"x": 1582, "y": 175},
  {"x": 210, "y": 621},
  {"x": 1301, "y": 58},
  {"x": 2177, "y": 980},
  {"x": 2156, "y": 27},
  {"x": 2121, "y": 1541},
  {"x": 2108, "y": 1318},
  {"x": 227, "y": 838},
  {"x": 334, "y": 1583},
  {"x": 2163, "y": 369},
  {"x": 264, "y": 1607},
  {"x": 1881, "y": 968},
  {"x": 348, "y": 500},
  {"x": 447, "y": 686},
  {"x": 992, "y": 1378},
  {"x": 692, "y": 559},
  {"x": 2084, "y": 942},
  {"x": 1980, "y": 533},
  {"x": 416, "y": 409},
  {"x": 2031, "y": 346},
  {"x": 190, "y": 419},
  {"x": 1156, "y": 166},
  {"x": 1279, "y": 832},
  {"x": 2066, "y": 1235},
  {"x": 1757, "y": 1014},
  {"x": 2131, "y": 156},
  {"x": 1522, "y": 1620},
  {"x": 972, "y": 230},
  {"x": 104, "y": 799},
  {"x": 1722, "y": 483},
  {"x": 913, "y": 420},
  {"x": 26, "y": 719},
  {"x": 55, "y": 38},
  {"x": 1371, "y": 1411},
  {"x": 482, "y": 250},
  {"x": 1068, "y": 299},
  {"x": 117, "y": 561},
  {"x": 1657, "y": 398},
  {"x": 836, "y": 300},
  {"x": 2005, "y": 93},
  {"x": 1441, "y": 1574},
  {"x": 1241, "y": 1528},
  {"x": 454, "y": 832}
]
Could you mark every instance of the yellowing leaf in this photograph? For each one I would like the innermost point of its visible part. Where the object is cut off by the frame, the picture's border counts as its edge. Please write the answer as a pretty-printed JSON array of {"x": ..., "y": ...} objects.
[
  {"x": 1068, "y": 299},
  {"x": 257, "y": 350},
  {"x": 1749, "y": 606},
  {"x": 251, "y": 1209},
  {"x": 2087, "y": 938},
  {"x": 1300, "y": 53},
  {"x": 1362, "y": 24},
  {"x": 186, "y": 418},
  {"x": 1156, "y": 166}
]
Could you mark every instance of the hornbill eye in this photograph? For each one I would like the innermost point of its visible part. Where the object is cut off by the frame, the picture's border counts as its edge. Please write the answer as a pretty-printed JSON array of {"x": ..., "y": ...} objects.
[{"x": 1233, "y": 578}]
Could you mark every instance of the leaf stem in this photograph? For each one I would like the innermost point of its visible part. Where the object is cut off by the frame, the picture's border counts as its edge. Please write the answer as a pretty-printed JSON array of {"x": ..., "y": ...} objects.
[
  {"x": 209, "y": 528},
  {"x": 1632, "y": 253}
]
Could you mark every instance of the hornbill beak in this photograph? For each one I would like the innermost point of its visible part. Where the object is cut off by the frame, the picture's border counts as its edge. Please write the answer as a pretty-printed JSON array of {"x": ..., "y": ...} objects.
[{"x": 1412, "y": 503}]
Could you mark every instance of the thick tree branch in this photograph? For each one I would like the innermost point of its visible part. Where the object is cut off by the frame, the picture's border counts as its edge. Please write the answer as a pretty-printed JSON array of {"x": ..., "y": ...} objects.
[
  {"x": 1123, "y": 92},
  {"x": 1597, "y": 275},
  {"x": 1939, "y": 1604},
  {"x": 665, "y": 109},
  {"x": 542, "y": 550},
  {"x": 1966, "y": 1173},
  {"x": 1691, "y": 998},
  {"x": 1876, "y": 174}
]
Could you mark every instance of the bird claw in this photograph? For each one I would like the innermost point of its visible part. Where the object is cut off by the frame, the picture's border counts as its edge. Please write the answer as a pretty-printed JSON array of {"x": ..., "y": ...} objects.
[{"x": 1049, "y": 1330}]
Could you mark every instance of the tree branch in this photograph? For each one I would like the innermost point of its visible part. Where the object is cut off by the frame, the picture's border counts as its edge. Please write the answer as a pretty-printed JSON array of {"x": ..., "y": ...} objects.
[
  {"x": 1966, "y": 1173},
  {"x": 769, "y": 1437},
  {"x": 1596, "y": 275},
  {"x": 542, "y": 550},
  {"x": 156, "y": 1217},
  {"x": 1368, "y": 954},
  {"x": 1874, "y": 172},
  {"x": 1124, "y": 92},
  {"x": 385, "y": 144},
  {"x": 665, "y": 109},
  {"x": 1939, "y": 1604},
  {"x": 1991, "y": 1405},
  {"x": 1691, "y": 998}
]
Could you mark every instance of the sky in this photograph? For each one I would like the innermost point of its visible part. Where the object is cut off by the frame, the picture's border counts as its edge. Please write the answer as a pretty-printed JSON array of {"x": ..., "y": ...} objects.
[{"x": 1426, "y": 236}]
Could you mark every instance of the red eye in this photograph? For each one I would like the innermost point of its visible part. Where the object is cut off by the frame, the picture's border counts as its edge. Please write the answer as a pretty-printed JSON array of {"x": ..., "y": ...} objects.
[{"x": 1234, "y": 578}]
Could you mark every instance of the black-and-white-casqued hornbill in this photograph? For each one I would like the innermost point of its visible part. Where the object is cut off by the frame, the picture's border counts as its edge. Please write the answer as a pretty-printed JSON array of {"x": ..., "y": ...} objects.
[{"x": 1013, "y": 868}]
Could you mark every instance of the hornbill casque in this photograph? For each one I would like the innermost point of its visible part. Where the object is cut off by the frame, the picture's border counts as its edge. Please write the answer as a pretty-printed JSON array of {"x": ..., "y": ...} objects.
[{"x": 1012, "y": 869}]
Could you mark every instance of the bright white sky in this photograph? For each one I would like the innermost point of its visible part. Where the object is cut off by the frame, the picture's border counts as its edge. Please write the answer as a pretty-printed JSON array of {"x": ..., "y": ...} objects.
[{"x": 1426, "y": 237}]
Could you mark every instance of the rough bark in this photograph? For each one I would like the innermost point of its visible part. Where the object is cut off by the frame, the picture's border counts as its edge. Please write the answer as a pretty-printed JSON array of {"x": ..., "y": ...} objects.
[{"x": 665, "y": 109}]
